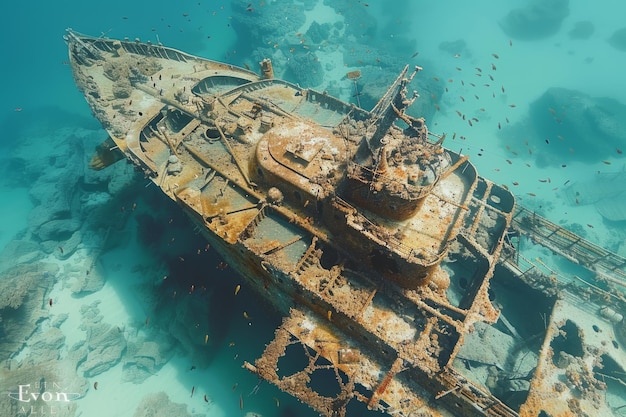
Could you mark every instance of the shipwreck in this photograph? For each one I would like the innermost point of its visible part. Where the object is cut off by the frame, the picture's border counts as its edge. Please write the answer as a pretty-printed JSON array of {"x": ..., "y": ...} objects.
[{"x": 392, "y": 260}]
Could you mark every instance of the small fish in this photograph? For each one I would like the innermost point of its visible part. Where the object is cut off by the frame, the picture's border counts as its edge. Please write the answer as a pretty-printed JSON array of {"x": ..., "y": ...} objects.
[
  {"x": 547, "y": 141},
  {"x": 618, "y": 150},
  {"x": 508, "y": 161},
  {"x": 50, "y": 302},
  {"x": 240, "y": 402},
  {"x": 237, "y": 288},
  {"x": 206, "y": 399},
  {"x": 18, "y": 109},
  {"x": 532, "y": 194},
  {"x": 606, "y": 162},
  {"x": 206, "y": 339},
  {"x": 512, "y": 106},
  {"x": 499, "y": 125},
  {"x": 192, "y": 368},
  {"x": 590, "y": 225},
  {"x": 234, "y": 387},
  {"x": 495, "y": 56},
  {"x": 277, "y": 402},
  {"x": 95, "y": 385},
  {"x": 329, "y": 315},
  {"x": 515, "y": 183},
  {"x": 193, "y": 389},
  {"x": 566, "y": 182},
  {"x": 61, "y": 250},
  {"x": 478, "y": 69},
  {"x": 245, "y": 315},
  {"x": 493, "y": 67},
  {"x": 459, "y": 69},
  {"x": 415, "y": 54},
  {"x": 510, "y": 42},
  {"x": 147, "y": 321},
  {"x": 462, "y": 98},
  {"x": 503, "y": 89}
]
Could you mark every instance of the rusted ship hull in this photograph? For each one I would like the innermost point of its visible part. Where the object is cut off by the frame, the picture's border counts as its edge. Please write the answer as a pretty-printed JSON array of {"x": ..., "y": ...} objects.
[{"x": 347, "y": 224}]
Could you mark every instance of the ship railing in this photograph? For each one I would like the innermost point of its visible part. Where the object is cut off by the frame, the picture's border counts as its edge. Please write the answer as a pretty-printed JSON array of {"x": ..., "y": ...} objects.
[
  {"x": 366, "y": 175},
  {"x": 610, "y": 265},
  {"x": 386, "y": 238}
]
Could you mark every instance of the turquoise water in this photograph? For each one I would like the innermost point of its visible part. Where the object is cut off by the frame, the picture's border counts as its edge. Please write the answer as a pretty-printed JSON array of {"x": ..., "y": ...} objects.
[{"x": 537, "y": 104}]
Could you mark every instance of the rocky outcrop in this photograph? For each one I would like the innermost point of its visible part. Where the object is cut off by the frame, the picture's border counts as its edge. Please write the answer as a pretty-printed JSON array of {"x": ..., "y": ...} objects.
[
  {"x": 618, "y": 40},
  {"x": 45, "y": 346},
  {"x": 159, "y": 405},
  {"x": 538, "y": 19},
  {"x": 19, "y": 252},
  {"x": 145, "y": 358},
  {"x": 105, "y": 343},
  {"x": 22, "y": 303},
  {"x": 88, "y": 282},
  {"x": 577, "y": 125}
]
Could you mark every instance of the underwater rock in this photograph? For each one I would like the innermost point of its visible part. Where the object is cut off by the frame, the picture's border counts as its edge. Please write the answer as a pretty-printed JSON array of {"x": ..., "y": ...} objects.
[
  {"x": 159, "y": 405},
  {"x": 89, "y": 282},
  {"x": 55, "y": 376},
  {"x": 305, "y": 69},
  {"x": 58, "y": 230},
  {"x": 65, "y": 248},
  {"x": 106, "y": 344},
  {"x": 53, "y": 201},
  {"x": 582, "y": 30},
  {"x": 538, "y": 19},
  {"x": 46, "y": 346},
  {"x": 22, "y": 293},
  {"x": 270, "y": 23},
  {"x": 145, "y": 358},
  {"x": 618, "y": 40},
  {"x": 316, "y": 34},
  {"x": 90, "y": 315},
  {"x": 19, "y": 252},
  {"x": 577, "y": 126},
  {"x": 77, "y": 353},
  {"x": 358, "y": 22}
]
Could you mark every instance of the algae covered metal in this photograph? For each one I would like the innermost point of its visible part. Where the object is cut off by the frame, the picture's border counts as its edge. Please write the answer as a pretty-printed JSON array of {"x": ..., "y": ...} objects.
[{"x": 377, "y": 244}]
